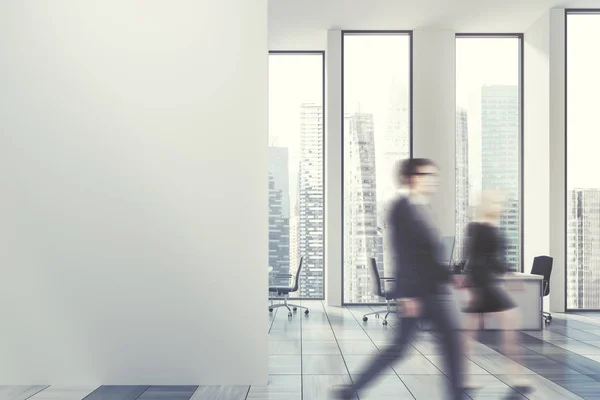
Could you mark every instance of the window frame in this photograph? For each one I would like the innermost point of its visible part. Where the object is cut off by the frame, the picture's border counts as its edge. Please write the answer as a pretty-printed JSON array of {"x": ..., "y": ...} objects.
[
  {"x": 322, "y": 54},
  {"x": 569, "y": 11},
  {"x": 408, "y": 33},
  {"x": 520, "y": 38}
]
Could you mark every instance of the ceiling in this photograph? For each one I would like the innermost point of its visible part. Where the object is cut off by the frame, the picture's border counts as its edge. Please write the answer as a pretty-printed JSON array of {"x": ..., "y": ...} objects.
[{"x": 480, "y": 16}]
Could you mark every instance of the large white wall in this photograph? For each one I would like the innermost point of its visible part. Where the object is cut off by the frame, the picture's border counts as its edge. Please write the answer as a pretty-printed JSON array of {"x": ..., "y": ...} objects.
[
  {"x": 133, "y": 160},
  {"x": 557, "y": 158},
  {"x": 536, "y": 143},
  {"x": 334, "y": 155},
  {"x": 434, "y": 115}
]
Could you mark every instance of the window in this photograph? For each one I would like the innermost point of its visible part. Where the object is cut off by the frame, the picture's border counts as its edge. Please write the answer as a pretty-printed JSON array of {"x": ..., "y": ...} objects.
[
  {"x": 376, "y": 134},
  {"x": 489, "y": 132},
  {"x": 296, "y": 209},
  {"x": 583, "y": 181}
]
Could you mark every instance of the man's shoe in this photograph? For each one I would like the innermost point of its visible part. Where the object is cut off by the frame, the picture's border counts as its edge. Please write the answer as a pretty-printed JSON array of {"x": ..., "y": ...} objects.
[{"x": 343, "y": 393}]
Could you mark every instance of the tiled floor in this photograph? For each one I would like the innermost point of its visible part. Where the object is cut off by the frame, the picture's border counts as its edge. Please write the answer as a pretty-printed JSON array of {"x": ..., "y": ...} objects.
[{"x": 310, "y": 354}]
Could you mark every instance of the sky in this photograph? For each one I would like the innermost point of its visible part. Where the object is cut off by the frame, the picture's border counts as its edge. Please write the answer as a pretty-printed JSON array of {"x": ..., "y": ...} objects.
[
  {"x": 293, "y": 80},
  {"x": 374, "y": 66},
  {"x": 583, "y": 106},
  {"x": 479, "y": 62}
]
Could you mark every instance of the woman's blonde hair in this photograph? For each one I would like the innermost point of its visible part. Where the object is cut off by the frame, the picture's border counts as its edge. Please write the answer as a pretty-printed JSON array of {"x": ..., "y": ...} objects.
[{"x": 488, "y": 198}]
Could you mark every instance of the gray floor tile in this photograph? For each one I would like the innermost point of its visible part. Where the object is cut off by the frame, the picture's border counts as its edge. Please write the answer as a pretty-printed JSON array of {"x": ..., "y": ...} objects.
[
  {"x": 545, "y": 366},
  {"x": 285, "y": 347},
  {"x": 580, "y": 348},
  {"x": 387, "y": 387},
  {"x": 318, "y": 387},
  {"x": 279, "y": 387},
  {"x": 358, "y": 347},
  {"x": 221, "y": 393},
  {"x": 546, "y": 335},
  {"x": 117, "y": 393},
  {"x": 282, "y": 334},
  {"x": 64, "y": 393},
  {"x": 356, "y": 334},
  {"x": 499, "y": 364},
  {"x": 470, "y": 367},
  {"x": 582, "y": 385},
  {"x": 581, "y": 364},
  {"x": 20, "y": 392},
  {"x": 428, "y": 347},
  {"x": 168, "y": 393},
  {"x": 285, "y": 365},
  {"x": 318, "y": 335},
  {"x": 320, "y": 348},
  {"x": 426, "y": 387},
  {"x": 323, "y": 365},
  {"x": 415, "y": 364},
  {"x": 544, "y": 388},
  {"x": 383, "y": 345},
  {"x": 357, "y": 364},
  {"x": 545, "y": 348},
  {"x": 492, "y": 388},
  {"x": 382, "y": 335}
]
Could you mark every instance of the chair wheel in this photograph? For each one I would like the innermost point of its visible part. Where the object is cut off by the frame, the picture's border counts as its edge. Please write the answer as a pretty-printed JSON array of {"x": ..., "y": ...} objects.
[
  {"x": 290, "y": 314},
  {"x": 306, "y": 312},
  {"x": 270, "y": 310},
  {"x": 295, "y": 309},
  {"x": 384, "y": 322},
  {"x": 365, "y": 319}
]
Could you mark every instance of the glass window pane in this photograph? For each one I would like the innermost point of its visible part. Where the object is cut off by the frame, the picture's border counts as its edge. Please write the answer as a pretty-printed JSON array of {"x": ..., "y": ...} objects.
[
  {"x": 296, "y": 211},
  {"x": 376, "y": 134},
  {"x": 583, "y": 180},
  {"x": 488, "y": 133}
]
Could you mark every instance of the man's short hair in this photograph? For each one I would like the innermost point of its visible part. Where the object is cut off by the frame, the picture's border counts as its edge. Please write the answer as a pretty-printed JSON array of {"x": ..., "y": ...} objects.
[{"x": 410, "y": 167}]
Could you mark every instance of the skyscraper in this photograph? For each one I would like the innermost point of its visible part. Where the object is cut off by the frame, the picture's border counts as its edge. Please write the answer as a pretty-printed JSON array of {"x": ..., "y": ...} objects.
[
  {"x": 311, "y": 200},
  {"x": 279, "y": 232},
  {"x": 500, "y": 157},
  {"x": 583, "y": 248},
  {"x": 279, "y": 212},
  {"x": 361, "y": 238},
  {"x": 462, "y": 182},
  {"x": 279, "y": 168}
]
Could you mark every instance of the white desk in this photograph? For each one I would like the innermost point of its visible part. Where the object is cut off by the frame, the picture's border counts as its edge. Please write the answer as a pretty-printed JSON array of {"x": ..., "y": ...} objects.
[{"x": 525, "y": 290}]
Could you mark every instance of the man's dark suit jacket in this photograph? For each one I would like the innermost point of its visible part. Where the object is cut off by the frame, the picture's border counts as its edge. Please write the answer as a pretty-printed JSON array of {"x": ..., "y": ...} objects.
[{"x": 415, "y": 252}]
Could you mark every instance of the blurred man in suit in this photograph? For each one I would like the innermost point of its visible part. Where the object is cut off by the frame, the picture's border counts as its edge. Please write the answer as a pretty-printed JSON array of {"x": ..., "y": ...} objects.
[{"x": 421, "y": 279}]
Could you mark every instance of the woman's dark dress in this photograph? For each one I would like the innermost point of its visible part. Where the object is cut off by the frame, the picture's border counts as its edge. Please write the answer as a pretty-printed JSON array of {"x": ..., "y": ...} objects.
[{"x": 485, "y": 262}]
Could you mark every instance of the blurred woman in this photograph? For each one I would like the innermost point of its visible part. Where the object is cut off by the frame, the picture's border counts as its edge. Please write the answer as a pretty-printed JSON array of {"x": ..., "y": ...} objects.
[{"x": 485, "y": 264}]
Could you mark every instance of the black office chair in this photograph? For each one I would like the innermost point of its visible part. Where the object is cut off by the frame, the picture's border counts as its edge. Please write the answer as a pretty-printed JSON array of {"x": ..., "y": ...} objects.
[
  {"x": 542, "y": 265},
  {"x": 285, "y": 290},
  {"x": 379, "y": 290}
]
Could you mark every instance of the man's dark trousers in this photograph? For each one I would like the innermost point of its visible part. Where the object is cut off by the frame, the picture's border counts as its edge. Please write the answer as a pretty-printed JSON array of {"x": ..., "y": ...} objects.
[{"x": 435, "y": 308}]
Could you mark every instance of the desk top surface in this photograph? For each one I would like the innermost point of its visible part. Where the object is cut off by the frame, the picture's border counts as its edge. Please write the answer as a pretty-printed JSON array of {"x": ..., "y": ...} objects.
[{"x": 522, "y": 276}]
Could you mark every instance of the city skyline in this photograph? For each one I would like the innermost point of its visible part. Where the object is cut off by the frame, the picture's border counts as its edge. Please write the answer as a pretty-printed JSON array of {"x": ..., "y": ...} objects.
[
  {"x": 376, "y": 136},
  {"x": 362, "y": 194}
]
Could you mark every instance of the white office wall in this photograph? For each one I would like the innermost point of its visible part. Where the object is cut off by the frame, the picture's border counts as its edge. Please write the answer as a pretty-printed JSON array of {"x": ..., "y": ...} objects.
[
  {"x": 536, "y": 138},
  {"x": 557, "y": 158},
  {"x": 133, "y": 168},
  {"x": 434, "y": 114},
  {"x": 334, "y": 206},
  {"x": 536, "y": 143}
]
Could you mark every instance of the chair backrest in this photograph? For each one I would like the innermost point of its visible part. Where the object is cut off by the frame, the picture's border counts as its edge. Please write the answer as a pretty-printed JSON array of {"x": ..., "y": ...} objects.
[
  {"x": 542, "y": 265},
  {"x": 376, "y": 279},
  {"x": 297, "y": 279}
]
